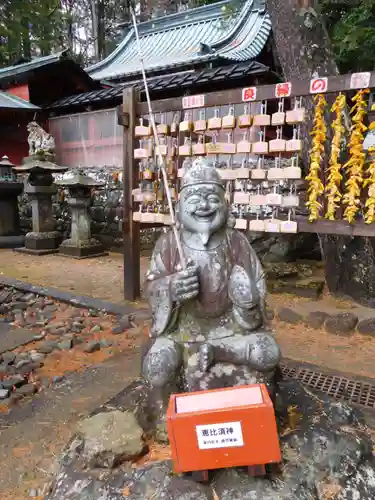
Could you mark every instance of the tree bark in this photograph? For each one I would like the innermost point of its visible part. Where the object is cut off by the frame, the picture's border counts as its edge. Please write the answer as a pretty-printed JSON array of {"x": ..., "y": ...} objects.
[
  {"x": 301, "y": 39},
  {"x": 304, "y": 51}
]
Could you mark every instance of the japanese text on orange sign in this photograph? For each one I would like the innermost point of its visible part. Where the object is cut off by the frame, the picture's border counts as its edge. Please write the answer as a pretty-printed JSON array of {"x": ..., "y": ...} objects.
[
  {"x": 283, "y": 89},
  {"x": 318, "y": 85},
  {"x": 249, "y": 94}
]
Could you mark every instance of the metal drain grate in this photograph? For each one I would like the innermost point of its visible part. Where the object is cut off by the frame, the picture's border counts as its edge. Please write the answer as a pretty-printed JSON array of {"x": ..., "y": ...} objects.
[{"x": 341, "y": 388}]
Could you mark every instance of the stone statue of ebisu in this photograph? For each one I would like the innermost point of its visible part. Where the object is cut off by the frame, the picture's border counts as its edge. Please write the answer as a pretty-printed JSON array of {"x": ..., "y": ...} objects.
[{"x": 207, "y": 319}]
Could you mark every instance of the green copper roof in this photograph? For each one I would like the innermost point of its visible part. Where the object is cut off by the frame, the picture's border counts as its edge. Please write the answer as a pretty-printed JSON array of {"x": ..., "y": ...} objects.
[
  {"x": 35, "y": 63},
  {"x": 190, "y": 37},
  {"x": 11, "y": 101}
]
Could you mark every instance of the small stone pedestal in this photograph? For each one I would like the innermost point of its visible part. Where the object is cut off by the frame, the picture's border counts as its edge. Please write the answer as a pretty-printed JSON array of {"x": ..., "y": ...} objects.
[
  {"x": 43, "y": 239},
  {"x": 80, "y": 245},
  {"x": 10, "y": 188}
]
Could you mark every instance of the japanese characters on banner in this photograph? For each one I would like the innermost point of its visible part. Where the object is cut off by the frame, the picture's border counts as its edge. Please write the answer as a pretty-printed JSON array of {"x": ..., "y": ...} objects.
[
  {"x": 318, "y": 85},
  {"x": 283, "y": 90},
  {"x": 193, "y": 101},
  {"x": 249, "y": 94}
]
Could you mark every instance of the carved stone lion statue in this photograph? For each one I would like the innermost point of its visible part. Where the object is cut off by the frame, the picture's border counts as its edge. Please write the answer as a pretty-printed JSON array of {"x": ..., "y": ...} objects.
[{"x": 40, "y": 142}]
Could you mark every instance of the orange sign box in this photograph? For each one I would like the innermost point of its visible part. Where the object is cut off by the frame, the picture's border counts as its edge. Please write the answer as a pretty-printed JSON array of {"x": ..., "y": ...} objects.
[{"x": 222, "y": 428}]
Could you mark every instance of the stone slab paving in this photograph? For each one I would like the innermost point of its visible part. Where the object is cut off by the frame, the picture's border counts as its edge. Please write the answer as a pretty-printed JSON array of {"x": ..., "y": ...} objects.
[{"x": 11, "y": 338}]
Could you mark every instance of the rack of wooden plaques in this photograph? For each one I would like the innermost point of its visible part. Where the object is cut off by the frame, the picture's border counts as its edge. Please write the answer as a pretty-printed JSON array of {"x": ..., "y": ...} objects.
[{"x": 254, "y": 136}]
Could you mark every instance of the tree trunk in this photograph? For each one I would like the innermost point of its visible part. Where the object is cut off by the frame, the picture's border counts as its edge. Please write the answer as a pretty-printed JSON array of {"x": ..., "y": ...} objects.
[
  {"x": 304, "y": 52},
  {"x": 302, "y": 41}
]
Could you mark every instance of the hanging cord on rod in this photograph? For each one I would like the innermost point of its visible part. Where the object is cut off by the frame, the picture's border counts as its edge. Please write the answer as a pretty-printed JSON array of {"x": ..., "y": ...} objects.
[{"x": 157, "y": 142}]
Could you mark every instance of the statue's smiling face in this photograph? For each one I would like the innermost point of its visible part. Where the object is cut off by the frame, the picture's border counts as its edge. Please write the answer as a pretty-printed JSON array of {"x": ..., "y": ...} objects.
[{"x": 203, "y": 208}]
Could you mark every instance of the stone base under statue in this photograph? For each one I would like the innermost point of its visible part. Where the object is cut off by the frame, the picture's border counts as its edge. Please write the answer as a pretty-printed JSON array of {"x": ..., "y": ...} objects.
[
  {"x": 41, "y": 243},
  {"x": 87, "y": 251},
  {"x": 12, "y": 241},
  {"x": 326, "y": 449}
]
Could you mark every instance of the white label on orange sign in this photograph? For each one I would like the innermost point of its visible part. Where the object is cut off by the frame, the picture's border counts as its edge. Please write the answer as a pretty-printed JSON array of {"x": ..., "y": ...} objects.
[
  {"x": 360, "y": 80},
  {"x": 318, "y": 85},
  {"x": 226, "y": 435},
  {"x": 193, "y": 101}
]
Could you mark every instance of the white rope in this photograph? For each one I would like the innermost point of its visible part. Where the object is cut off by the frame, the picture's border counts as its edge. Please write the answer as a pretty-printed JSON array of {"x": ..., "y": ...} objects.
[{"x": 157, "y": 142}]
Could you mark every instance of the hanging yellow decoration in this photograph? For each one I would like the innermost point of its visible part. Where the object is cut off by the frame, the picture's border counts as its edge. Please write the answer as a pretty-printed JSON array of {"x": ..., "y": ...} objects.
[
  {"x": 354, "y": 167},
  {"x": 334, "y": 170},
  {"x": 319, "y": 134},
  {"x": 370, "y": 181}
]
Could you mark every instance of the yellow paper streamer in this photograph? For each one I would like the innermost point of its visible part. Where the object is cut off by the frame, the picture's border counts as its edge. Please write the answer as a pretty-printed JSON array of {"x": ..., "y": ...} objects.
[
  {"x": 354, "y": 167},
  {"x": 319, "y": 134}
]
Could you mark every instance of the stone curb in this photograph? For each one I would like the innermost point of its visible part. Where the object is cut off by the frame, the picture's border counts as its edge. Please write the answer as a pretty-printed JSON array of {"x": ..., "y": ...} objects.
[
  {"x": 344, "y": 323},
  {"x": 75, "y": 300}
]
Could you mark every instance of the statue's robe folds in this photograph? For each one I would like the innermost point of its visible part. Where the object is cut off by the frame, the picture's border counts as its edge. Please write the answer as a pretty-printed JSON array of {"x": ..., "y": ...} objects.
[{"x": 231, "y": 297}]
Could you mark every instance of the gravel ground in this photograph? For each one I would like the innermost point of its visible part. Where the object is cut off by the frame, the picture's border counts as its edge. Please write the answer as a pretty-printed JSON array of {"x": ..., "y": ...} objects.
[{"x": 100, "y": 278}]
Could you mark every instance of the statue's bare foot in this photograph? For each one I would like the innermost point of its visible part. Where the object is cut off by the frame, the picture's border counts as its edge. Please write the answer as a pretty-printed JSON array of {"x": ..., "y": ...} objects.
[{"x": 206, "y": 357}]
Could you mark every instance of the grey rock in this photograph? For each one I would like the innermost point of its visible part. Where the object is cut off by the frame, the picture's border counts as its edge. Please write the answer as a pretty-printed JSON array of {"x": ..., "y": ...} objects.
[
  {"x": 4, "y": 296},
  {"x": 29, "y": 367},
  {"x": 65, "y": 345},
  {"x": 77, "y": 327},
  {"x": 125, "y": 322},
  {"x": 18, "y": 306},
  {"x": 110, "y": 439},
  {"x": 92, "y": 347},
  {"x": 4, "y": 393},
  {"x": 4, "y": 309},
  {"x": 47, "y": 347},
  {"x": 106, "y": 343},
  {"x": 366, "y": 327},
  {"x": 117, "y": 330},
  {"x": 27, "y": 390},
  {"x": 40, "y": 336},
  {"x": 22, "y": 363},
  {"x": 96, "y": 329},
  {"x": 341, "y": 324},
  {"x": 37, "y": 356},
  {"x": 152, "y": 482},
  {"x": 316, "y": 319},
  {"x": 15, "y": 381},
  {"x": 41, "y": 323},
  {"x": 8, "y": 357},
  {"x": 289, "y": 316},
  {"x": 55, "y": 325},
  {"x": 27, "y": 297},
  {"x": 6, "y": 369},
  {"x": 58, "y": 332}
]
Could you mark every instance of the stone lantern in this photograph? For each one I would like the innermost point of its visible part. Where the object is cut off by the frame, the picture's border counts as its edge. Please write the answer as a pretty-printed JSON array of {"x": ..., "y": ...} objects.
[
  {"x": 80, "y": 245},
  {"x": 10, "y": 189},
  {"x": 40, "y": 187}
]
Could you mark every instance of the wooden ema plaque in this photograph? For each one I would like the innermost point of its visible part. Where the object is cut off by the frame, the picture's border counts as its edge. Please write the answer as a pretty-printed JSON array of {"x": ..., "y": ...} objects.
[{"x": 222, "y": 428}]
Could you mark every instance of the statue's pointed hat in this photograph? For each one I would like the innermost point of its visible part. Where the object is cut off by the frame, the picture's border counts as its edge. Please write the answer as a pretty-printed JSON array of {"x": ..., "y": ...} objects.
[{"x": 202, "y": 171}]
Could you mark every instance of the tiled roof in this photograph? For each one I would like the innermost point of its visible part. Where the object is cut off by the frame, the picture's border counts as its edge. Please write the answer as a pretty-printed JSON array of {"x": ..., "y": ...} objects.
[
  {"x": 35, "y": 63},
  {"x": 11, "y": 101},
  {"x": 188, "y": 80},
  {"x": 190, "y": 37}
]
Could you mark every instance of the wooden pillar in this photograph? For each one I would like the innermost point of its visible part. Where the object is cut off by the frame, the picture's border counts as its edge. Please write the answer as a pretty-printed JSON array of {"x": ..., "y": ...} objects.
[{"x": 132, "y": 252}]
